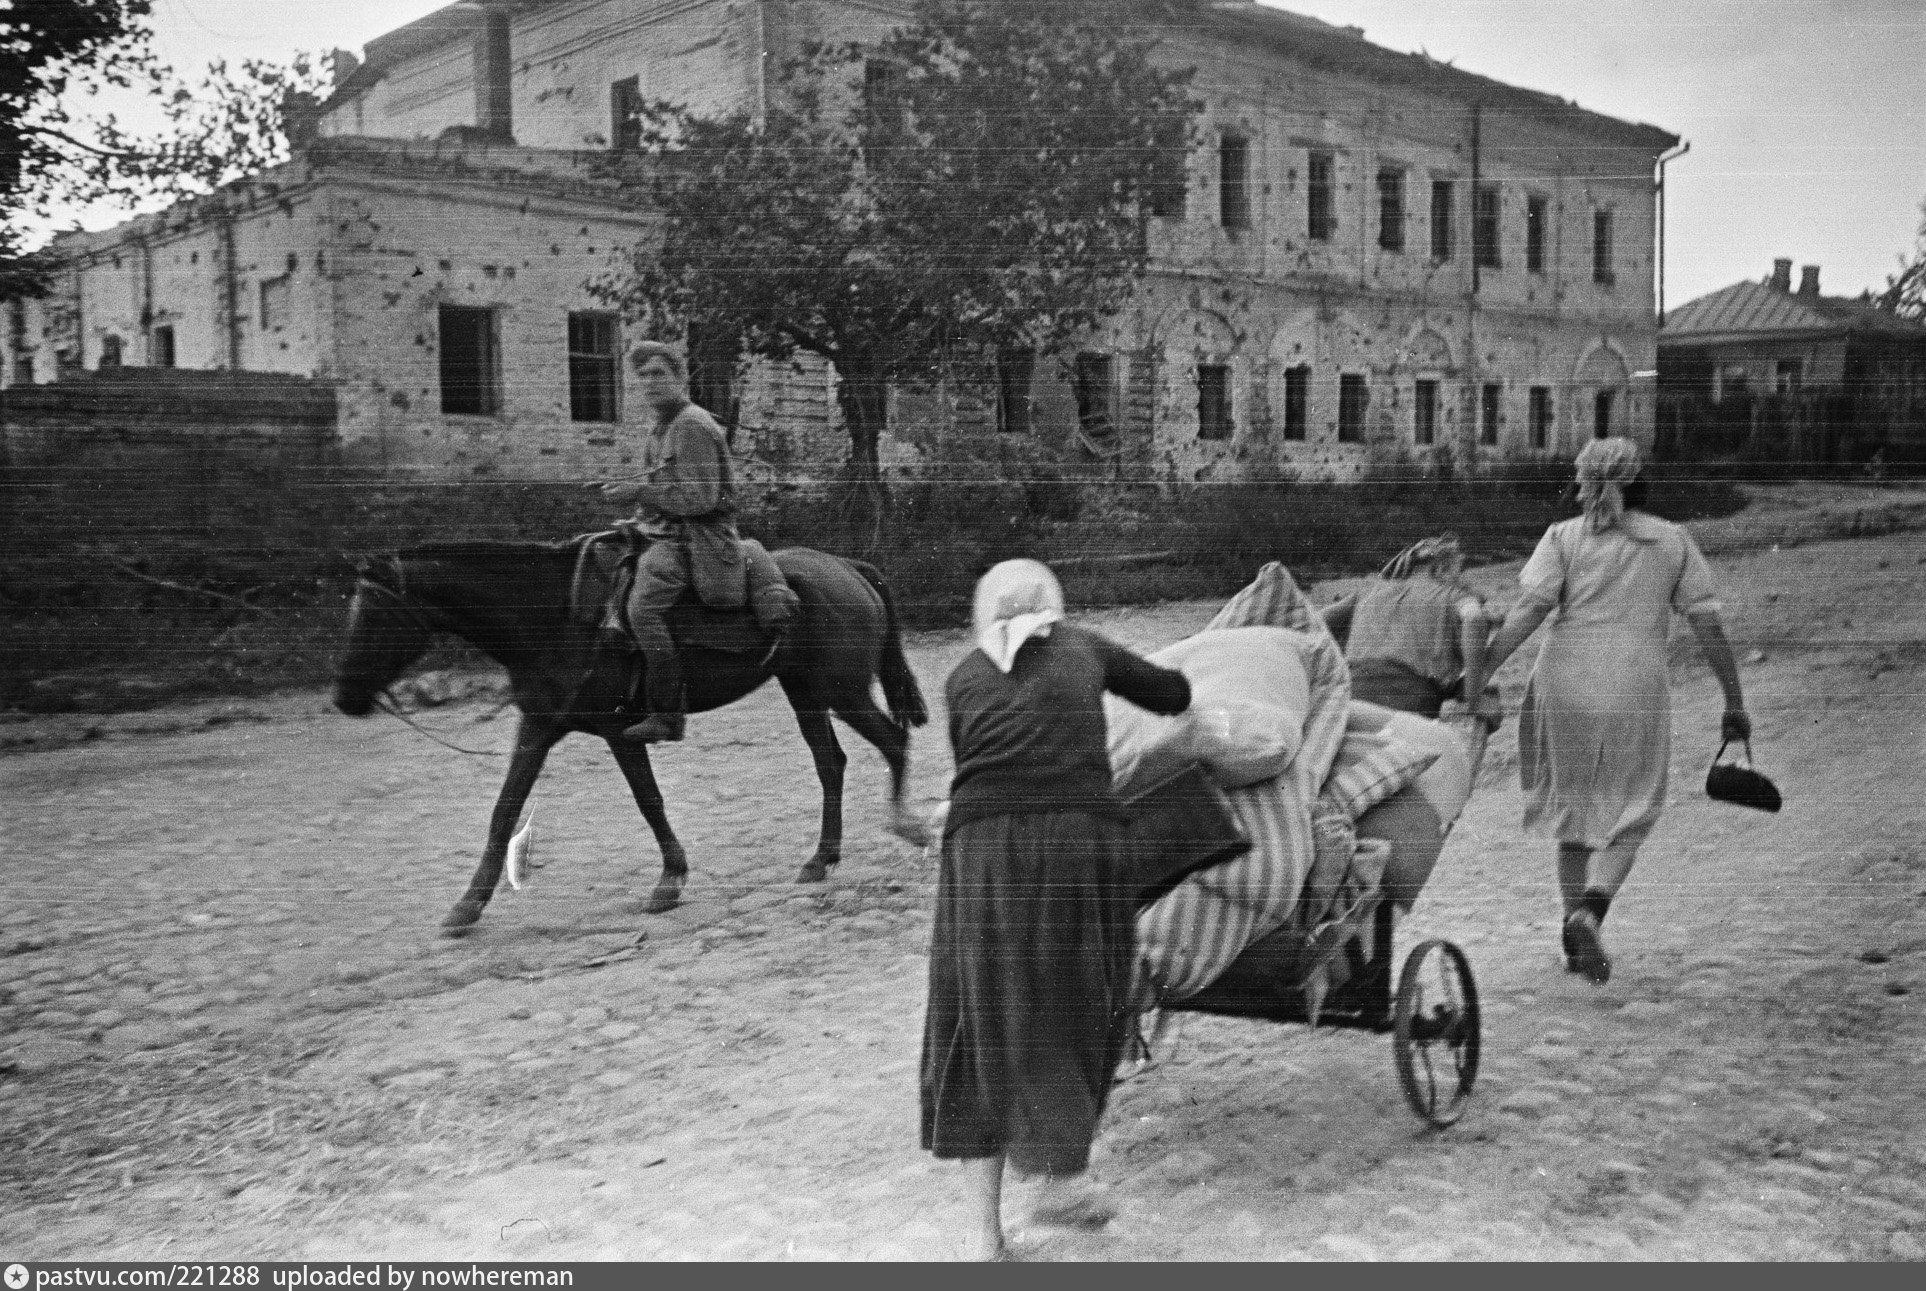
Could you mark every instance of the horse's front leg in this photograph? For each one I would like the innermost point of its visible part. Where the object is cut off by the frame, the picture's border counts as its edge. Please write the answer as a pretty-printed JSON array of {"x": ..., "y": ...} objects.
[
  {"x": 534, "y": 737},
  {"x": 813, "y": 718},
  {"x": 636, "y": 769}
]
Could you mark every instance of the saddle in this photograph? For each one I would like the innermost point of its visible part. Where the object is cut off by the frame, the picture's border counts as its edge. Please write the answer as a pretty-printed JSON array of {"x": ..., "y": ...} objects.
[{"x": 605, "y": 572}]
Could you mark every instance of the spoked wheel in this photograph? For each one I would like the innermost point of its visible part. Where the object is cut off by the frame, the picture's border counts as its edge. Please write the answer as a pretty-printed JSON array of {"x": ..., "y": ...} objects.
[{"x": 1434, "y": 1031}]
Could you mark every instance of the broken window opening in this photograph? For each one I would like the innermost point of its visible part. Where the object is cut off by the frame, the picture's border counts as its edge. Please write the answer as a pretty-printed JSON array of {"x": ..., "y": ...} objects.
[
  {"x": 1297, "y": 402},
  {"x": 1353, "y": 397},
  {"x": 594, "y": 389},
  {"x": 1094, "y": 381},
  {"x": 1214, "y": 401},
  {"x": 470, "y": 361},
  {"x": 1602, "y": 414},
  {"x": 1015, "y": 401},
  {"x": 1321, "y": 188},
  {"x": 1391, "y": 209},
  {"x": 1541, "y": 416},
  {"x": 162, "y": 355},
  {"x": 110, "y": 351},
  {"x": 1536, "y": 211},
  {"x": 1602, "y": 248},
  {"x": 1233, "y": 182},
  {"x": 1441, "y": 230},
  {"x": 1424, "y": 419},
  {"x": 1486, "y": 206},
  {"x": 1488, "y": 414},
  {"x": 625, "y": 114}
]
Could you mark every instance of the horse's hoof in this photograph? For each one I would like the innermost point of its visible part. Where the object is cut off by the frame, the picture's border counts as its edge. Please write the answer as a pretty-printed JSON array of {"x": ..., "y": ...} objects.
[
  {"x": 816, "y": 870},
  {"x": 666, "y": 897},
  {"x": 461, "y": 919}
]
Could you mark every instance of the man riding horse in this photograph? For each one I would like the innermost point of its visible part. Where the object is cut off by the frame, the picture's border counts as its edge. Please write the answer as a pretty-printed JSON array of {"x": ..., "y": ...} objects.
[{"x": 685, "y": 503}]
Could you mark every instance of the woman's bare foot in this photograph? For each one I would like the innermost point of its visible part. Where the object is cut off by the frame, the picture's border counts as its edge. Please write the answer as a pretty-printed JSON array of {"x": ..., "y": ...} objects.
[{"x": 1070, "y": 1203}]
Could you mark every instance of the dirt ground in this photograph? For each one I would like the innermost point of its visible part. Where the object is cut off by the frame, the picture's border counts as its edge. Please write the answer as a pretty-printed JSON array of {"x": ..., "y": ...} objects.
[{"x": 232, "y": 1031}]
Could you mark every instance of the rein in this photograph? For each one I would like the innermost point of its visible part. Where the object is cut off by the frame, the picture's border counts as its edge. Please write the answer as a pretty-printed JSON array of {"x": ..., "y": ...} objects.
[{"x": 384, "y": 699}]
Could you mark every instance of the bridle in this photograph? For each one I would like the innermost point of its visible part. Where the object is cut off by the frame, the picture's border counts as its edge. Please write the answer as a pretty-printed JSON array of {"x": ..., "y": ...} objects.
[{"x": 383, "y": 698}]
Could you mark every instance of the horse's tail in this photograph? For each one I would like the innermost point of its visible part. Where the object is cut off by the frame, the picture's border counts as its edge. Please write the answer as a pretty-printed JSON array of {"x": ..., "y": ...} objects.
[{"x": 904, "y": 696}]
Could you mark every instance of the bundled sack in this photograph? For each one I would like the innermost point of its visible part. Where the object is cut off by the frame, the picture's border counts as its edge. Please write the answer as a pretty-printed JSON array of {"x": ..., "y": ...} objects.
[
  {"x": 1249, "y": 695},
  {"x": 1416, "y": 819}
]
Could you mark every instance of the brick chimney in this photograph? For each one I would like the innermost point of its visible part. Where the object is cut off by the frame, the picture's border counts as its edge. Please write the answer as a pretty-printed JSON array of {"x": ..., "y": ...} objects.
[
  {"x": 1808, "y": 280},
  {"x": 341, "y": 64},
  {"x": 1782, "y": 274},
  {"x": 494, "y": 73},
  {"x": 300, "y": 118}
]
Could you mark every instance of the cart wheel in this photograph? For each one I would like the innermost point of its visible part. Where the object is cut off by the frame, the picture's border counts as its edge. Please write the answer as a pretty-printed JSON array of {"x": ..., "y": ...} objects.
[{"x": 1434, "y": 1031}]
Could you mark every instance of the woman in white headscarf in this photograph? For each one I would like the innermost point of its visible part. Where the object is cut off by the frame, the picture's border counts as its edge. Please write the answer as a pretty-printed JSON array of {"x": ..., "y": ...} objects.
[
  {"x": 1595, "y": 729},
  {"x": 1030, "y": 957}
]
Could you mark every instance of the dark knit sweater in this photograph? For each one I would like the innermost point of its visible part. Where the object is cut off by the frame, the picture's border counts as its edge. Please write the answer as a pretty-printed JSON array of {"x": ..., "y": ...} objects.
[{"x": 1034, "y": 740}]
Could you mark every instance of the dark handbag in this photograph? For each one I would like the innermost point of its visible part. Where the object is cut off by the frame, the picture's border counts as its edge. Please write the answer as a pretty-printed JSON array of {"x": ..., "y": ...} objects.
[
  {"x": 1730, "y": 782},
  {"x": 1180, "y": 824}
]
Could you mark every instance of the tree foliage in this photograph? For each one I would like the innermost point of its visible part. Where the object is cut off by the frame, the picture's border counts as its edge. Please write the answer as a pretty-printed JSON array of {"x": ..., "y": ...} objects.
[
  {"x": 976, "y": 182},
  {"x": 55, "y": 54},
  {"x": 1905, "y": 292}
]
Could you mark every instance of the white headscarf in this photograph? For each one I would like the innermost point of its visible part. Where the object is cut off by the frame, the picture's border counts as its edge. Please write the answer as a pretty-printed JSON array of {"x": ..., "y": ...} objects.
[{"x": 1015, "y": 601}]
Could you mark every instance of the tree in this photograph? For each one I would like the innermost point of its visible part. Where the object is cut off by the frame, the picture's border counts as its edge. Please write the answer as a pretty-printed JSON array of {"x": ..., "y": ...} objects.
[
  {"x": 976, "y": 183},
  {"x": 1905, "y": 292},
  {"x": 55, "y": 51}
]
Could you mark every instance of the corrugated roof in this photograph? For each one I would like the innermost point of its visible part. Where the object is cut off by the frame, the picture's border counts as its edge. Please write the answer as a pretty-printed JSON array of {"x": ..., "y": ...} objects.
[
  {"x": 1762, "y": 310},
  {"x": 1296, "y": 36}
]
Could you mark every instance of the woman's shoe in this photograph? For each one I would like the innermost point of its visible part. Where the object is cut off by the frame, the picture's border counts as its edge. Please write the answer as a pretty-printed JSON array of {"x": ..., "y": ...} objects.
[{"x": 1585, "y": 949}]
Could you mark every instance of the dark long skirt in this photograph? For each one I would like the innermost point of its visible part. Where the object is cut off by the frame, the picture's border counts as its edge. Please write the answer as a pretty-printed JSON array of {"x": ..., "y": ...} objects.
[{"x": 1030, "y": 963}]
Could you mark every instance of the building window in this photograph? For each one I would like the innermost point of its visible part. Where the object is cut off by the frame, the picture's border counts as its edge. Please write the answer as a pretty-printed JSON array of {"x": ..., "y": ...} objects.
[
  {"x": 1015, "y": 401},
  {"x": 1601, "y": 414},
  {"x": 1297, "y": 403},
  {"x": 1234, "y": 182},
  {"x": 274, "y": 303},
  {"x": 163, "y": 347},
  {"x": 23, "y": 370},
  {"x": 1788, "y": 375},
  {"x": 110, "y": 351},
  {"x": 625, "y": 114},
  {"x": 1322, "y": 194},
  {"x": 1441, "y": 230},
  {"x": 1391, "y": 209},
  {"x": 1488, "y": 403},
  {"x": 713, "y": 358},
  {"x": 1536, "y": 211},
  {"x": 1094, "y": 379},
  {"x": 593, "y": 347},
  {"x": 1353, "y": 398},
  {"x": 1541, "y": 416},
  {"x": 1424, "y": 420},
  {"x": 1485, "y": 227},
  {"x": 1602, "y": 247},
  {"x": 470, "y": 362},
  {"x": 1168, "y": 183},
  {"x": 1213, "y": 401}
]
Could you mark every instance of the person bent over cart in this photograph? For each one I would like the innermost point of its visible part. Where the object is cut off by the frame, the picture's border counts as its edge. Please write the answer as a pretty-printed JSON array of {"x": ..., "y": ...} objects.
[{"x": 1033, "y": 947}]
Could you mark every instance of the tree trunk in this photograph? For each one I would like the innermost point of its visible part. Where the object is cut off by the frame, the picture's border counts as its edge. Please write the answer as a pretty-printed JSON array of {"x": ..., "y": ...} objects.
[{"x": 863, "y": 395}]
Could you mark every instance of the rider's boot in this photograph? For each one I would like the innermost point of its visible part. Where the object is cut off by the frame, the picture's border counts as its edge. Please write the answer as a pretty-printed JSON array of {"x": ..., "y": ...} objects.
[{"x": 665, "y": 721}]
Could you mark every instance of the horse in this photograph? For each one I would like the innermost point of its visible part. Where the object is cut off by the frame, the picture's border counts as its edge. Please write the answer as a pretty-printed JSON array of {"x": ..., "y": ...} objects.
[{"x": 511, "y": 601}]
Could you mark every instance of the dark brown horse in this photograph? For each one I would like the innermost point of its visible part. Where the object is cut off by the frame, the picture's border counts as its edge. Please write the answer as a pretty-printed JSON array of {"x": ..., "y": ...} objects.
[{"x": 511, "y": 601}]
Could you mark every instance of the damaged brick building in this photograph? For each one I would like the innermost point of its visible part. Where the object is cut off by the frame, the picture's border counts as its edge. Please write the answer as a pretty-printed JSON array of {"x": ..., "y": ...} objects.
[{"x": 1378, "y": 258}]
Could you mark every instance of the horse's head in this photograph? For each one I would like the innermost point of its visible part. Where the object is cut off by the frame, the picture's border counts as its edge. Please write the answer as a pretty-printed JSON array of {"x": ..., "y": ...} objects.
[{"x": 387, "y": 631}]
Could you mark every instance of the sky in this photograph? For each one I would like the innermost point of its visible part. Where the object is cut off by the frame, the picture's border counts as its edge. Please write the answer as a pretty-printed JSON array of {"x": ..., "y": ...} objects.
[{"x": 1806, "y": 118}]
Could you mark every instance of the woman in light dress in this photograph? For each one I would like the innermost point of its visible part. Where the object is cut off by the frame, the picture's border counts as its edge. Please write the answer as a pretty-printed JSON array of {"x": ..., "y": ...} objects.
[{"x": 1595, "y": 728}]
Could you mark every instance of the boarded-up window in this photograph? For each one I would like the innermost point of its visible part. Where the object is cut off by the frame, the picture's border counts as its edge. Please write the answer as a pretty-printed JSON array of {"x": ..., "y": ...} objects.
[
  {"x": 1486, "y": 227},
  {"x": 625, "y": 114},
  {"x": 1424, "y": 423},
  {"x": 1234, "y": 182},
  {"x": 1213, "y": 401},
  {"x": 1323, "y": 197},
  {"x": 1541, "y": 416},
  {"x": 593, "y": 388},
  {"x": 163, "y": 348},
  {"x": 1602, "y": 247},
  {"x": 1488, "y": 403},
  {"x": 1537, "y": 212},
  {"x": 1297, "y": 402},
  {"x": 470, "y": 362},
  {"x": 1353, "y": 398},
  {"x": 1441, "y": 230},
  {"x": 1391, "y": 209}
]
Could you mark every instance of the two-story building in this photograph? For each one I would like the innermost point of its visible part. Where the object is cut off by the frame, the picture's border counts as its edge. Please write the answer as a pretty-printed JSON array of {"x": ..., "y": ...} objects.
[{"x": 1377, "y": 257}]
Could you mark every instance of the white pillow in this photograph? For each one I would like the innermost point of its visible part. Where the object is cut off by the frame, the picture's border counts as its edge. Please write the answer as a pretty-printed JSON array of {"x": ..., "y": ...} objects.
[{"x": 1249, "y": 696}]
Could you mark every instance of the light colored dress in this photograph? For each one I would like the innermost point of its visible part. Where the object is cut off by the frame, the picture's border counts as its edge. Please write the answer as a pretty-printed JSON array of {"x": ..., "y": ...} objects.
[{"x": 1595, "y": 729}]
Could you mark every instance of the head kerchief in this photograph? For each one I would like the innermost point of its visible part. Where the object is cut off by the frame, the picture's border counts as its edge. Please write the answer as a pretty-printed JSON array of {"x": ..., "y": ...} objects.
[
  {"x": 1015, "y": 601},
  {"x": 1420, "y": 554}
]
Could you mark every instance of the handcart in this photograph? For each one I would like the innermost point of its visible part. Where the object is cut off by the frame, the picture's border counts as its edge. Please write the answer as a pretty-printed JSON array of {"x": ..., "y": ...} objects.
[{"x": 1339, "y": 972}]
